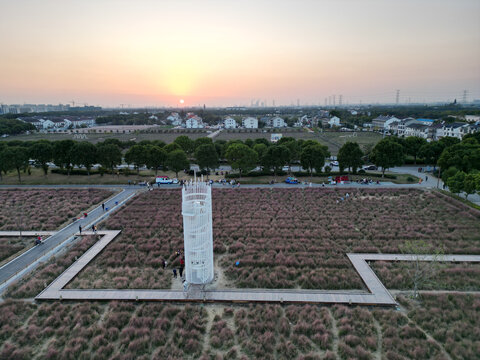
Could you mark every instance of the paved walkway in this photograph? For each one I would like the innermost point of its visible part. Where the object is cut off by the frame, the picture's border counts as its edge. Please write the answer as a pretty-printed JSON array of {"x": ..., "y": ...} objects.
[
  {"x": 432, "y": 182},
  {"x": 30, "y": 259},
  {"x": 378, "y": 294}
]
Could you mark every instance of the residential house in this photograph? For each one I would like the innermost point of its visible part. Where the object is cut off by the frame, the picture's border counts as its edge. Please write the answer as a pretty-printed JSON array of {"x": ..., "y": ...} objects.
[
  {"x": 250, "y": 123},
  {"x": 418, "y": 130},
  {"x": 194, "y": 122},
  {"x": 435, "y": 131},
  {"x": 383, "y": 122},
  {"x": 453, "y": 130},
  {"x": 334, "y": 121},
  {"x": 175, "y": 119},
  {"x": 472, "y": 118},
  {"x": 277, "y": 122},
  {"x": 229, "y": 123}
]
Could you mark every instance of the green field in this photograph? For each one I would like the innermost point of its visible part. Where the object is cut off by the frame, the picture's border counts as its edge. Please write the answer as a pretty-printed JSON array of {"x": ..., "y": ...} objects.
[{"x": 334, "y": 140}]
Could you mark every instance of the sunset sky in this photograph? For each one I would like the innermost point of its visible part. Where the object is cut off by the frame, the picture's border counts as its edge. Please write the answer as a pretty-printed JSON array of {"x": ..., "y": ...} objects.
[{"x": 111, "y": 52}]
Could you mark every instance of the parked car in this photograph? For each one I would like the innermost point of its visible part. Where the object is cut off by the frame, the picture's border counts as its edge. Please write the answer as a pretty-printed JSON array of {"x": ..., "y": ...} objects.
[
  {"x": 370, "y": 167},
  {"x": 334, "y": 163},
  {"x": 163, "y": 180},
  {"x": 291, "y": 180},
  {"x": 285, "y": 168}
]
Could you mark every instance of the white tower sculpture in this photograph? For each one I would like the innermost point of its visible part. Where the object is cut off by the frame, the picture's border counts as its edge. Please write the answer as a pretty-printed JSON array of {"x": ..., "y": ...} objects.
[{"x": 197, "y": 232}]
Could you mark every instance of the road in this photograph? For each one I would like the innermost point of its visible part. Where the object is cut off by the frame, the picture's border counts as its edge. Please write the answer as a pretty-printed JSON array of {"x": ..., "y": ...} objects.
[
  {"x": 432, "y": 181},
  {"x": 53, "y": 243}
]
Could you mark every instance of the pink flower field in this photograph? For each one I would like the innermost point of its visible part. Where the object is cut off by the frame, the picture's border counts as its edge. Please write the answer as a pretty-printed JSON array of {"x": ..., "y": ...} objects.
[
  {"x": 45, "y": 209},
  {"x": 440, "y": 327},
  {"x": 283, "y": 238}
]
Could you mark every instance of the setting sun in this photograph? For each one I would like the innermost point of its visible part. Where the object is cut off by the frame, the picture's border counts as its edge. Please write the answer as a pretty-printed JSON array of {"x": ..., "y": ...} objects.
[{"x": 182, "y": 101}]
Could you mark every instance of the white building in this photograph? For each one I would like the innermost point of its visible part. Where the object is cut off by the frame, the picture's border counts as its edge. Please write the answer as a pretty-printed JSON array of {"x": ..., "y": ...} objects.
[
  {"x": 454, "y": 130},
  {"x": 250, "y": 123},
  {"x": 194, "y": 122},
  {"x": 278, "y": 122},
  {"x": 79, "y": 122},
  {"x": 334, "y": 121},
  {"x": 418, "y": 130},
  {"x": 472, "y": 118},
  {"x": 229, "y": 123},
  {"x": 175, "y": 119},
  {"x": 47, "y": 124},
  {"x": 383, "y": 122}
]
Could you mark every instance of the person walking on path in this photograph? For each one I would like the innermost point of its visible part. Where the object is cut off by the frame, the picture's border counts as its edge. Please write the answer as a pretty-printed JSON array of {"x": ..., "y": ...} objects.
[
  {"x": 174, "y": 273},
  {"x": 180, "y": 271},
  {"x": 80, "y": 229},
  {"x": 426, "y": 178},
  {"x": 103, "y": 206}
]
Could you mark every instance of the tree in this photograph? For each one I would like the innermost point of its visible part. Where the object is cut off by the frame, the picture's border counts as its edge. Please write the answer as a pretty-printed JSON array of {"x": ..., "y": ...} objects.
[
  {"x": 464, "y": 156},
  {"x": 456, "y": 182},
  {"x": 136, "y": 155},
  {"x": 313, "y": 157},
  {"x": 295, "y": 149},
  {"x": 172, "y": 147},
  {"x": 470, "y": 184},
  {"x": 84, "y": 154},
  {"x": 260, "y": 149},
  {"x": 42, "y": 153},
  {"x": 422, "y": 269},
  {"x": 413, "y": 145},
  {"x": 19, "y": 159},
  {"x": 6, "y": 163},
  {"x": 207, "y": 157},
  {"x": 431, "y": 152},
  {"x": 177, "y": 160},
  {"x": 241, "y": 157},
  {"x": 156, "y": 157},
  {"x": 276, "y": 157},
  {"x": 350, "y": 156},
  {"x": 387, "y": 153},
  {"x": 109, "y": 155},
  {"x": 221, "y": 147},
  {"x": 185, "y": 143},
  {"x": 62, "y": 154},
  {"x": 202, "y": 141}
]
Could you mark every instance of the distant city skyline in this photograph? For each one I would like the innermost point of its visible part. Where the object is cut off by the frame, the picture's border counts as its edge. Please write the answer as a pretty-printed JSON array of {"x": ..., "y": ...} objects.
[{"x": 222, "y": 53}]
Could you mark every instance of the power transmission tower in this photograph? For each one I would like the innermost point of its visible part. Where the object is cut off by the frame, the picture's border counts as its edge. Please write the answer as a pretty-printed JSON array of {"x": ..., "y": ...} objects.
[
  {"x": 340, "y": 99},
  {"x": 464, "y": 96},
  {"x": 334, "y": 96},
  {"x": 397, "y": 97}
]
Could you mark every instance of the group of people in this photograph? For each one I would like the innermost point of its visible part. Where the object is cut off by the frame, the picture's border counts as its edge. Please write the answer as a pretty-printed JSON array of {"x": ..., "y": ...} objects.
[
  {"x": 347, "y": 195},
  {"x": 94, "y": 229},
  {"x": 178, "y": 253},
  {"x": 367, "y": 181}
]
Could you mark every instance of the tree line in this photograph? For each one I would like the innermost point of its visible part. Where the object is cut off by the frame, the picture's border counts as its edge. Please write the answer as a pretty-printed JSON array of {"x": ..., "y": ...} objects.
[{"x": 459, "y": 161}]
